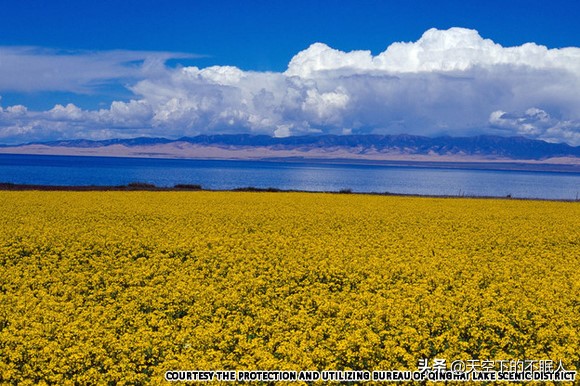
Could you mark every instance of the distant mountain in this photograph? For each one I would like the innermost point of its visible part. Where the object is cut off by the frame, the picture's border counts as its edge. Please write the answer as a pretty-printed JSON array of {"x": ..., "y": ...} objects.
[
  {"x": 86, "y": 143},
  {"x": 343, "y": 146}
]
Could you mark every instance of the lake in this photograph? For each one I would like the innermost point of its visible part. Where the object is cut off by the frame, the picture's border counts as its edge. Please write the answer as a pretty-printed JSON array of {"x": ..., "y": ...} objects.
[{"x": 225, "y": 175}]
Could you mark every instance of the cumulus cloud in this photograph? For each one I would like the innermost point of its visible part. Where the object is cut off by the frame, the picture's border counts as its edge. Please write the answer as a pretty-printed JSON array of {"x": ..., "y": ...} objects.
[
  {"x": 455, "y": 49},
  {"x": 451, "y": 82},
  {"x": 537, "y": 123}
]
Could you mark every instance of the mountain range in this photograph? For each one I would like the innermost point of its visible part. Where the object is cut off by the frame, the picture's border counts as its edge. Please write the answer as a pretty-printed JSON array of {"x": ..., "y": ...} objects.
[{"x": 483, "y": 148}]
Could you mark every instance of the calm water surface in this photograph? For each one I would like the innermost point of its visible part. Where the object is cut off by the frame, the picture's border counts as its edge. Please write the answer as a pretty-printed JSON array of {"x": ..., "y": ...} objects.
[{"x": 66, "y": 170}]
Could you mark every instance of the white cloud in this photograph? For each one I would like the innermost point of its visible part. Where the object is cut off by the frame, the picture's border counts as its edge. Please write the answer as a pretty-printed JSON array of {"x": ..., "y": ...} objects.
[
  {"x": 33, "y": 69},
  {"x": 319, "y": 58},
  {"x": 455, "y": 49},
  {"x": 69, "y": 112},
  {"x": 450, "y": 82},
  {"x": 16, "y": 111},
  {"x": 537, "y": 123}
]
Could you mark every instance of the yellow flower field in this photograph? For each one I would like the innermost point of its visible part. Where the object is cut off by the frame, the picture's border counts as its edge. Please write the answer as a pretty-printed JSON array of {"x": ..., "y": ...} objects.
[{"x": 119, "y": 287}]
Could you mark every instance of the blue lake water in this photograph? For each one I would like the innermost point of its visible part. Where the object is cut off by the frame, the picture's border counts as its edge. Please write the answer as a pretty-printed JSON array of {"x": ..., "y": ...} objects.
[{"x": 67, "y": 170}]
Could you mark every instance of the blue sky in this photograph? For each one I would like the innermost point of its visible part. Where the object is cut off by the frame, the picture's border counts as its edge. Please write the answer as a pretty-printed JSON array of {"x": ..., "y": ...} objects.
[
  {"x": 122, "y": 59},
  {"x": 265, "y": 34}
]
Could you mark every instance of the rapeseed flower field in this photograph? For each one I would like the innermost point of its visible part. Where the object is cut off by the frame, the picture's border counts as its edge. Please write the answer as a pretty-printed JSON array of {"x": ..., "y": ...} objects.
[{"x": 119, "y": 287}]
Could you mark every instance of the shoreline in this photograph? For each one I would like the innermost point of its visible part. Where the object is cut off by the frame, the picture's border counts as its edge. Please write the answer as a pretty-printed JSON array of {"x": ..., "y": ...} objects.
[{"x": 145, "y": 187}]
